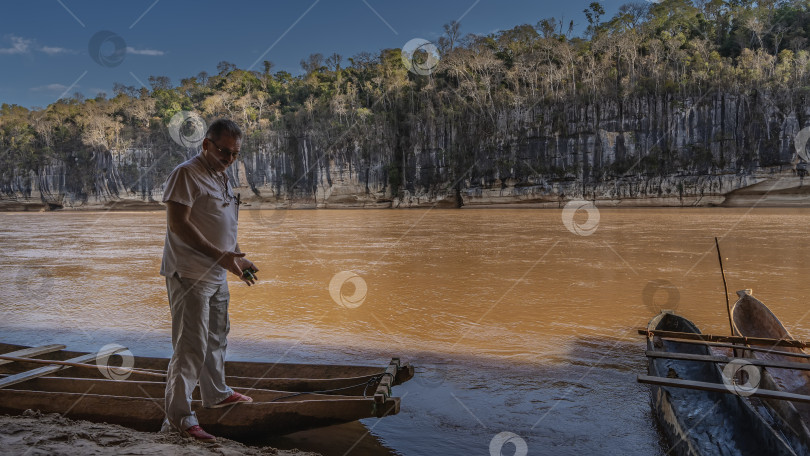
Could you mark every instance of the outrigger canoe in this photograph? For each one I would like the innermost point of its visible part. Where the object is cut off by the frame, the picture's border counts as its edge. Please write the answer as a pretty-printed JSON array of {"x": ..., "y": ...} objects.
[
  {"x": 700, "y": 422},
  {"x": 287, "y": 397},
  {"x": 752, "y": 318}
]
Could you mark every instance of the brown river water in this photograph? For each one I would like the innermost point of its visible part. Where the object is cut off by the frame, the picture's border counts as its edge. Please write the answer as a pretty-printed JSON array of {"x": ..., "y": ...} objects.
[{"x": 515, "y": 322}]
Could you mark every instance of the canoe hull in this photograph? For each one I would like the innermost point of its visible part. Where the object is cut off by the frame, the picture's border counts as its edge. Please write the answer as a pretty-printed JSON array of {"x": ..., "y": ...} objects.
[
  {"x": 278, "y": 376},
  {"x": 703, "y": 422},
  {"x": 287, "y": 397},
  {"x": 238, "y": 421},
  {"x": 751, "y": 318}
]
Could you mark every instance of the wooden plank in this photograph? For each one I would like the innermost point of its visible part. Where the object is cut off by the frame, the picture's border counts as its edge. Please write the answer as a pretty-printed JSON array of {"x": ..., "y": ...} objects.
[
  {"x": 80, "y": 365},
  {"x": 32, "y": 351},
  {"x": 736, "y": 339},
  {"x": 253, "y": 369},
  {"x": 386, "y": 382},
  {"x": 405, "y": 372},
  {"x": 719, "y": 388},
  {"x": 739, "y": 347},
  {"x": 725, "y": 359},
  {"x": 39, "y": 372}
]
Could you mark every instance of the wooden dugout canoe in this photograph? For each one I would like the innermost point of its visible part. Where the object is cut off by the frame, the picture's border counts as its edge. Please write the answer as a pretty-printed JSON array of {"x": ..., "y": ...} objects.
[
  {"x": 703, "y": 422},
  {"x": 751, "y": 318},
  {"x": 287, "y": 397}
]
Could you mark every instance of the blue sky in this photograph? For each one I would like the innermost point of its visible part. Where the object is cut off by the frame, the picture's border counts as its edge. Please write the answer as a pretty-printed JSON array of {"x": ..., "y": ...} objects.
[{"x": 45, "y": 44}]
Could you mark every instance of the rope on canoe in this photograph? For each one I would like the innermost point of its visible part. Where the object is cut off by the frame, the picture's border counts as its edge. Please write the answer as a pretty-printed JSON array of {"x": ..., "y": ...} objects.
[{"x": 370, "y": 382}]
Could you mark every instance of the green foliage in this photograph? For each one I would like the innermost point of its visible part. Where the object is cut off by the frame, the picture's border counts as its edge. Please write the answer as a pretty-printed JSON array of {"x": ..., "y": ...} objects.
[{"x": 671, "y": 48}]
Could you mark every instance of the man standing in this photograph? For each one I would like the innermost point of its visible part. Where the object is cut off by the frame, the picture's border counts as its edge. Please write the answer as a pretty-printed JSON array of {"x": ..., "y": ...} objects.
[{"x": 199, "y": 251}]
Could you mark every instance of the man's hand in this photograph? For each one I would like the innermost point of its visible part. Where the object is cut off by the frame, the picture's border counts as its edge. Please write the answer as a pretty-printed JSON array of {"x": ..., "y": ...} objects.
[
  {"x": 243, "y": 264},
  {"x": 235, "y": 263}
]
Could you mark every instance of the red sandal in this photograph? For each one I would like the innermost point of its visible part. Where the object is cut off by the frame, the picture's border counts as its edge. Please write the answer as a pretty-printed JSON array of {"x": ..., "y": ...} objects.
[
  {"x": 234, "y": 398},
  {"x": 197, "y": 433}
]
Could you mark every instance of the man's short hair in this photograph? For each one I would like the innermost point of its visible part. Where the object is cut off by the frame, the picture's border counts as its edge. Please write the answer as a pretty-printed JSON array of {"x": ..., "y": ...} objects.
[{"x": 223, "y": 127}]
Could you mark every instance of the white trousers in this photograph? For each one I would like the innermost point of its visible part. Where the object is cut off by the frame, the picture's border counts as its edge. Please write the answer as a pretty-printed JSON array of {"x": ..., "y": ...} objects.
[{"x": 200, "y": 327}]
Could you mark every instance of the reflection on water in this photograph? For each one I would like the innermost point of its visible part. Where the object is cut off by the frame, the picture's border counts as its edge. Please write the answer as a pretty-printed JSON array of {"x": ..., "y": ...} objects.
[{"x": 517, "y": 324}]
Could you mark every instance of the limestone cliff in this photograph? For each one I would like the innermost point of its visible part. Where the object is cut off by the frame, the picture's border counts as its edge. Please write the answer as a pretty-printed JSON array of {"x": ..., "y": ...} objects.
[{"x": 656, "y": 150}]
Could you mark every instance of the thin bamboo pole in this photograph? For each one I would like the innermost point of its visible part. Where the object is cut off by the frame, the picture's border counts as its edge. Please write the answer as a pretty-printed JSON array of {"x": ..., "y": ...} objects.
[
  {"x": 741, "y": 347},
  {"x": 726, "y": 360},
  {"x": 733, "y": 339},
  {"x": 721, "y": 388}
]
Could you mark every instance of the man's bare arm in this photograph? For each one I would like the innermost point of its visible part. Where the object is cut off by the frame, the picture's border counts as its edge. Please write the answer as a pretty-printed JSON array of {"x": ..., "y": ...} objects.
[{"x": 179, "y": 224}]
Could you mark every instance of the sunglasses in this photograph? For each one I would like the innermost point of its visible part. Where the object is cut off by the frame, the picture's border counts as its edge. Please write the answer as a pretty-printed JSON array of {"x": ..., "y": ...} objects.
[{"x": 226, "y": 152}]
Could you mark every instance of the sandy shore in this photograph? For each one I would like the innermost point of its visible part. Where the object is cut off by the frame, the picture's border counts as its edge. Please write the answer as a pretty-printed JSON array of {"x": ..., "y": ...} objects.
[{"x": 35, "y": 433}]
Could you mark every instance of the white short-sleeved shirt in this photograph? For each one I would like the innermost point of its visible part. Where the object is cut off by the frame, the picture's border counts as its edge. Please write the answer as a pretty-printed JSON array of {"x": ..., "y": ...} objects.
[{"x": 193, "y": 184}]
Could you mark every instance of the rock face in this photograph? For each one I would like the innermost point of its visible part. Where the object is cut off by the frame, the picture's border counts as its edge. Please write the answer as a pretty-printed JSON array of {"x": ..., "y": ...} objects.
[{"x": 657, "y": 151}]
